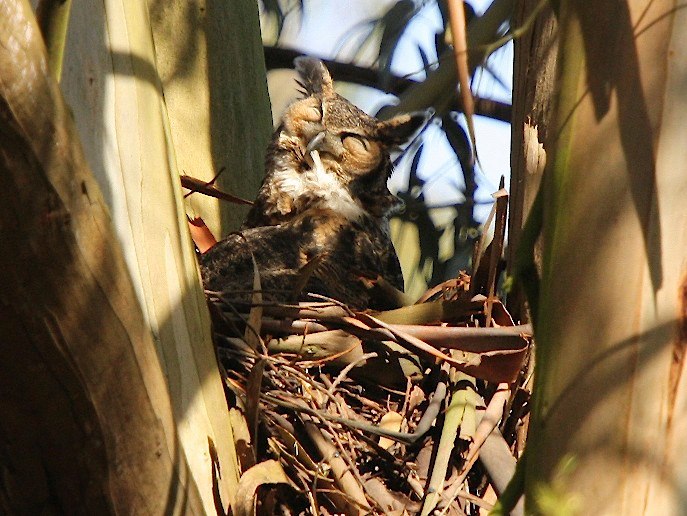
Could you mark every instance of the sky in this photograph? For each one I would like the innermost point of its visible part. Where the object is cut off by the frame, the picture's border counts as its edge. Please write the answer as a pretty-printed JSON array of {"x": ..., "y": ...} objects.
[{"x": 335, "y": 29}]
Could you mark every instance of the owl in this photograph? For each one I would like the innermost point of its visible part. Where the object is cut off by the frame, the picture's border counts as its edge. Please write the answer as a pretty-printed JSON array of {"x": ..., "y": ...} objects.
[{"x": 320, "y": 221}]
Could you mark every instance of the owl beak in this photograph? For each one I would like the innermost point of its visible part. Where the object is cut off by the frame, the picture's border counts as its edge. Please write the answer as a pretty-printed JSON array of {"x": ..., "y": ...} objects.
[
  {"x": 315, "y": 143},
  {"x": 325, "y": 142}
]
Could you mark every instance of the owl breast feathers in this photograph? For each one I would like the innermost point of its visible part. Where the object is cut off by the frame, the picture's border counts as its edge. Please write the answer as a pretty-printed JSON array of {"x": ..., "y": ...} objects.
[{"x": 322, "y": 210}]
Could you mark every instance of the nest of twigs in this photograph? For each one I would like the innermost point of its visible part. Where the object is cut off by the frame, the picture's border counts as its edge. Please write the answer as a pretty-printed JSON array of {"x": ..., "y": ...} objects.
[{"x": 410, "y": 411}]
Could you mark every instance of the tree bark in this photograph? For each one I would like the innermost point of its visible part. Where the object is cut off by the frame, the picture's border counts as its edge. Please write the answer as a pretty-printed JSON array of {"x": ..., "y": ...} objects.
[
  {"x": 87, "y": 423},
  {"x": 609, "y": 414},
  {"x": 159, "y": 90},
  {"x": 534, "y": 74},
  {"x": 211, "y": 63},
  {"x": 111, "y": 81}
]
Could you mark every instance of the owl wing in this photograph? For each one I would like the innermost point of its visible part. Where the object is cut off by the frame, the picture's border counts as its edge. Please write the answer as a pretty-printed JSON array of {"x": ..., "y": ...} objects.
[
  {"x": 356, "y": 254},
  {"x": 377, "y": 257},
  {"x": 228, "y": 266},
  {"x": 348, "y": 258}
]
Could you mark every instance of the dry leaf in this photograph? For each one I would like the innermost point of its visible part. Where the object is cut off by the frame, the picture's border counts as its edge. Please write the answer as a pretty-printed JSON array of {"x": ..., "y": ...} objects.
[
  {"x": 390, "y": 421},
  {"x": 268, "y": 472},
  {"x": 201, "y": 235}
]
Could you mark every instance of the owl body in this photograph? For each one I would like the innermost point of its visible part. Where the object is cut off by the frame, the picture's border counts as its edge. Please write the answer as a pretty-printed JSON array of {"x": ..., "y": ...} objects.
[
  {"x": 317, "y": 252},
  {"x": 320, "y": 220}
]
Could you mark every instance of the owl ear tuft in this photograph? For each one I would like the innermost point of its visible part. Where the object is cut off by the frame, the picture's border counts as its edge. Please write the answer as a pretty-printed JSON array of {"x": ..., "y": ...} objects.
[
  {"x": 315, "y": 77},
  {"x": 401, "y": 128}
]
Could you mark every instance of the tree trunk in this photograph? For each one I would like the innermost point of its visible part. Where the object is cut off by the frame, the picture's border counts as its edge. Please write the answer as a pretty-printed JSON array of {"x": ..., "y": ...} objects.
[
  {"x": 609, "y": 415},
  {"x": 210, "y": 59},
  {"x": 534, "y": 74},
  {"x": 87, "y": 423},
  {"x": 166, "y": 441}
]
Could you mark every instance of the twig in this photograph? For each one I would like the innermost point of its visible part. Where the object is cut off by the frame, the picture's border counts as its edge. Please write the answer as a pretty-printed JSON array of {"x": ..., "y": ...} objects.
[
  {"x": 497, "y": 246},
  {"x": 453, "y": 419},
  {"x": 491, "y": 418},
  {"x": 342, "y": 472},
  {"x": 396, "y": 436},
  {"x": 456, "y": 10},
  {"x": 209, "y": 189},
  {"x": 347, "y": 369},
  {"x": 433, "y": 409}
]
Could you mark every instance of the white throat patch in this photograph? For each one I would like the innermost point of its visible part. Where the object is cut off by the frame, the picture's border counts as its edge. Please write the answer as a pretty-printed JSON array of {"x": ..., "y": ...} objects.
[{"x": 317, "y": 183}]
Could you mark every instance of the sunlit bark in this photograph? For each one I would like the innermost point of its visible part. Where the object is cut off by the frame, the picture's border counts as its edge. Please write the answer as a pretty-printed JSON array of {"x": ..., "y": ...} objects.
[{"x": 610, "y": 398}]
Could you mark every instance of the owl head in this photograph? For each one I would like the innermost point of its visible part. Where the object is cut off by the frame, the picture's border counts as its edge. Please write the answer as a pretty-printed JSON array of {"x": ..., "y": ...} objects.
[{"x": 329, "y": 154}]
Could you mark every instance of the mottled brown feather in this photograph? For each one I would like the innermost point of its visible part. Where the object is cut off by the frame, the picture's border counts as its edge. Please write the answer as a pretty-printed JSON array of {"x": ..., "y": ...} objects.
[{"x": 353, "y": 254}]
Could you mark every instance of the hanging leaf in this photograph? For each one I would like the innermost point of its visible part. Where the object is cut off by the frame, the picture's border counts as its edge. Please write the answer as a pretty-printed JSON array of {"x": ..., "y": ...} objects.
[
  {"x": 460, "y": 143},
  {"x": 268, "y": 472},
  {"x": 201, "y": 235},
  {"x": 425, "y": 60},
  {"x": 274, "y": 11},
  {"x": 394, "y": 24}
]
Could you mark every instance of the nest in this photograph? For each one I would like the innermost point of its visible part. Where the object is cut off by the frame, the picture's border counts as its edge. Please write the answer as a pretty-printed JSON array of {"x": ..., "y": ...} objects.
[{"x": 352, "y": 412}]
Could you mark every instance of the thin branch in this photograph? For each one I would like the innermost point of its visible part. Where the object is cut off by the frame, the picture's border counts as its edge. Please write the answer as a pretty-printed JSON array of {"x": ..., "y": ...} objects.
[{"x": 456, "y": 10}]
